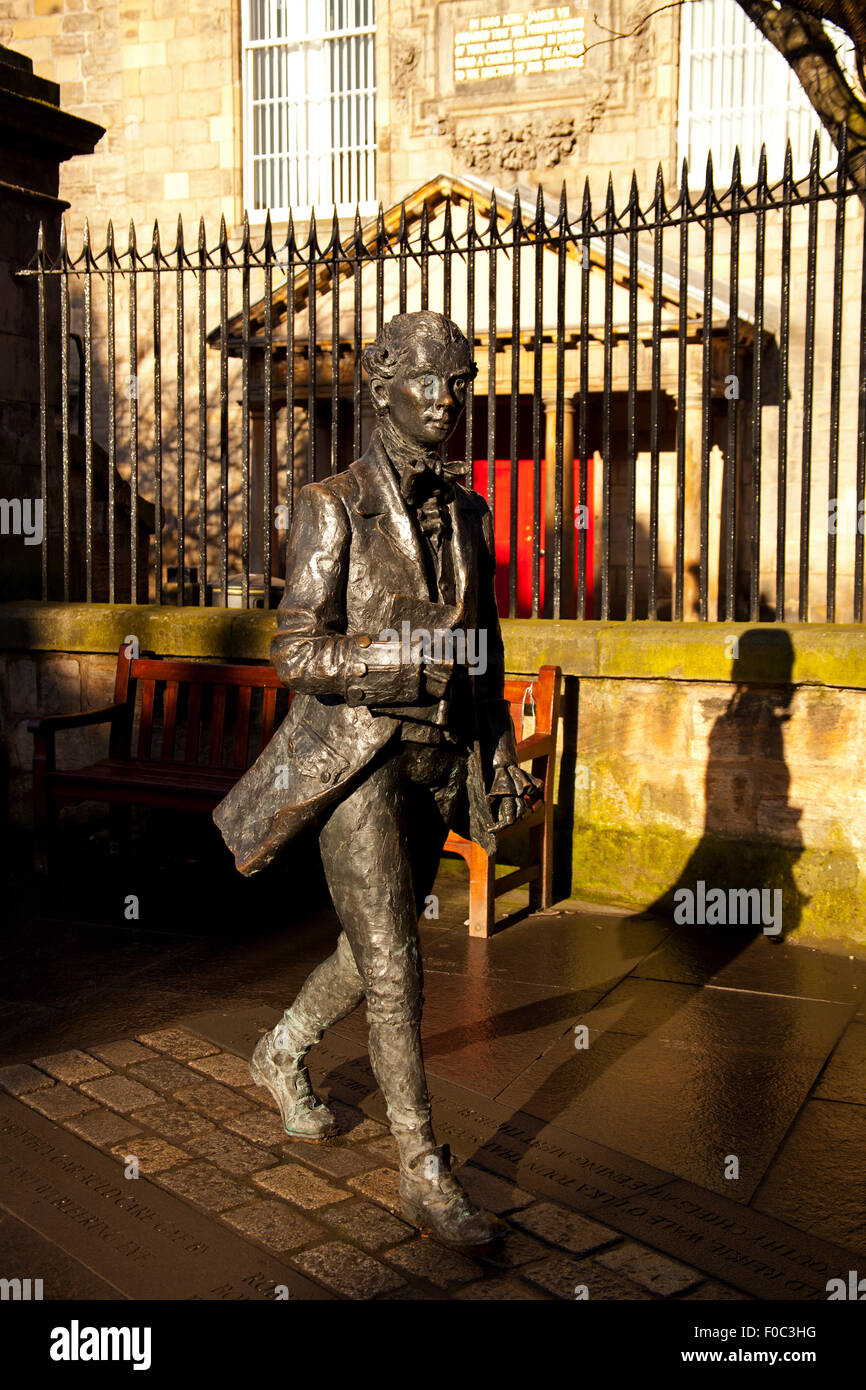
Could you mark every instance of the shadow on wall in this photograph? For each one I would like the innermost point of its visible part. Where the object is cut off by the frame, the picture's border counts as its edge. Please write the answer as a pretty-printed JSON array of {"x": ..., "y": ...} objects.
[
  {"x": 741, "y": 873},
  {"x": 734, "y": 881}
]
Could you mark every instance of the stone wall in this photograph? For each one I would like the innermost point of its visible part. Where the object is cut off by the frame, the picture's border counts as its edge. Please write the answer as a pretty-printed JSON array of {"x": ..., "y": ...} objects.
[{"x": 721, "y": 754}]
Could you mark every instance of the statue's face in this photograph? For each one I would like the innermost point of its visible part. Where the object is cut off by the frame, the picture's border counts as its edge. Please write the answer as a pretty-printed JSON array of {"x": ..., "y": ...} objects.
[{"x": 426, "y": 397}]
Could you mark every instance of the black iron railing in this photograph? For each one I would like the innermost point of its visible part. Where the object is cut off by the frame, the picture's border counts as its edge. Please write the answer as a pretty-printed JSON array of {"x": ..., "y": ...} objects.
[{"x": 675, "y": 395}]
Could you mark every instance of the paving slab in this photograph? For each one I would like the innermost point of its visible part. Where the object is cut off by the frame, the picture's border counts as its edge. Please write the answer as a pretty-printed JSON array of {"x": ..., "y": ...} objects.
[
  {"x": 347, "y": 1271},
  {"x": 565, "y": 1277},
  {"x": 590, "y": 952},
  {"x": 25, "y": 1254},
  {"x": 58, "y": 1102},
  {"x": 498, "y": 1291},
  {"x": 123, "y": 1052},
  {"x": 178, "y": 1043},
  {"x": 296, "y": 1184},
  {"x": 652, "y": 1271},
  {"x": 71, "y": 1066},
  {"x": 273, "y": 1224},
  {"x": 819, "y": 1178},
  {"x": 724, "y": 1075},
  {"x": 365, "y": 1223},
  {"x": 741, "y": 960},
  {"x": 230, "y": 1153},
  {"x": 428, "y": 1260},
  {"x": 153, "y": 1247},
  {"x": 119, "y": 1093},
  {"x": 844, "y": 1077},
  {"x": 19, "y": 1079},
  {"x": 173, "y": 1121}
]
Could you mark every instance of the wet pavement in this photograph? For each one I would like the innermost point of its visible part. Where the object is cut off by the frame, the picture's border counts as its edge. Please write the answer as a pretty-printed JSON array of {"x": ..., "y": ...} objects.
[{"x": 712, "y": 1073}]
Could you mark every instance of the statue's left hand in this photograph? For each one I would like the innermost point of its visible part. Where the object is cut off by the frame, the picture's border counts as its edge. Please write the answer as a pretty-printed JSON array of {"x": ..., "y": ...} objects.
[{"x": 513, "y": 792}]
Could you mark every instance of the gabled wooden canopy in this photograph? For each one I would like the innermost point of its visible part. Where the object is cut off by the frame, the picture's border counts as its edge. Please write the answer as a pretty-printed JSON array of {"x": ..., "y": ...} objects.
[{"x": 441, "y": 211}]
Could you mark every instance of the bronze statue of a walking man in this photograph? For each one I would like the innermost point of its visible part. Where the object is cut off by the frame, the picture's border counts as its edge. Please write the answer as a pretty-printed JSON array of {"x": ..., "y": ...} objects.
[{"x": 388, "y": 742}]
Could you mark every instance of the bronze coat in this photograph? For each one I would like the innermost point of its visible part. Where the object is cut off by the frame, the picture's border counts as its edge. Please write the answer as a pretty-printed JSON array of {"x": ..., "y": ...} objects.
[{"x": 353, "y": 546}]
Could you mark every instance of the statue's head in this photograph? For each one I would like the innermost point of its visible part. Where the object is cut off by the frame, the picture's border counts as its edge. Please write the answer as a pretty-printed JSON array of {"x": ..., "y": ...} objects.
[{"x": 419, "y": 368}]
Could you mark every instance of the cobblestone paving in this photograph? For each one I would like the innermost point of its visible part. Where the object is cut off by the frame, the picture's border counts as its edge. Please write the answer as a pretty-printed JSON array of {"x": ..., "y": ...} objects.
[{"x": 197, "y": 1127}]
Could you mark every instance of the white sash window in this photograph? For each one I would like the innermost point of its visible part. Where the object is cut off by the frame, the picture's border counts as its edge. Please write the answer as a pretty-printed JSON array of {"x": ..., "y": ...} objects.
[
  {"x": 737, "y": 90},
  {"x": 309, "y": 105}
]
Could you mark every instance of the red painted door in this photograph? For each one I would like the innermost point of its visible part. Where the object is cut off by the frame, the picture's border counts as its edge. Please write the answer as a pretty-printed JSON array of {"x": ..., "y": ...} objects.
[{"x": 502, "y": 530}]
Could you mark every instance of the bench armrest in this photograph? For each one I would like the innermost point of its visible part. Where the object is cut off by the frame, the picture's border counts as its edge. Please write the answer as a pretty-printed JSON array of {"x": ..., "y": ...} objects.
[
  {"x": 534, "y": 747},
  {"x": 51, "y": 723}
]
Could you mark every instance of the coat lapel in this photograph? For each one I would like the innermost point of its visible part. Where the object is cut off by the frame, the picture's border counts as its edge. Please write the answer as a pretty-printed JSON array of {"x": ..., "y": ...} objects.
[
  {"x": 379, "y": 496},
  {"x": 462, "y": 541}
]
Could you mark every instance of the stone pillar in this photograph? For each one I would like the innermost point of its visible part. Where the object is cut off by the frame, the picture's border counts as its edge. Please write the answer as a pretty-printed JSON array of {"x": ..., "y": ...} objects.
[
  {"x": 35, "y": 138},
  {"x": 567, "y": 590}
]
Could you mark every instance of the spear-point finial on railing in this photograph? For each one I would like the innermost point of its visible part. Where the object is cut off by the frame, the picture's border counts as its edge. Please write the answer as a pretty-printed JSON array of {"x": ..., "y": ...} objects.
[
  {"x": 291, "y": 243},
  {"x": 608, "y": 202},
  {"x": 202, "y": 236},
  {"x": 470, "y": 218},
  {"x": 446, "y": 229},
  {"x": 40, "y": 240},
  {"x": 268, "y": 239},
  {"x": 334, "y": 239},
  {"x": 586, "y": 206},
  {"x": 736, "y": 172},
  {"x": 245, "y": 235},
  {"x": 660, "y": 184},
  {"x": 539, "y": 207},
  {"x": 179, "y": 245},
  {"x": 358, "y": 235},
  {"x": 684, "y": 178},
  {"x": 63, "y": 243},
  {"x": 516, "y": 208},
  {"x": 313, "y": 238},
  {"x": 788, "y": 171},
  {"x": 155, "y": 246},
  {"x": 402, "y": 231},
  {"x": 762, "y": 170},
  {"x": 131, "y": 245},
  {"x": 224, "y": 240},
  {"x": 709, "y": 189}
]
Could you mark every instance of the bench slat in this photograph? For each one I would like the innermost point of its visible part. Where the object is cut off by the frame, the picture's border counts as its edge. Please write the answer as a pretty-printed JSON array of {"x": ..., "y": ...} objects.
[
  {"x": 218, "y": 716},
  {"x": 169, "y": 721},
  {"x": 145, "y": 726},
  {"x": 204, "y": 673},
  {"x": 193, "y": 723},
  {"x": 269, "y": 717},
  {"x": 242, "y": 726}
]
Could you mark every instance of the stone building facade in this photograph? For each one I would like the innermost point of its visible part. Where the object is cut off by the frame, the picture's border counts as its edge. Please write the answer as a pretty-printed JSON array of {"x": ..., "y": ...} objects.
[
  {"x": 505, "y": 91},
  {"x": 165, "y": 79}
]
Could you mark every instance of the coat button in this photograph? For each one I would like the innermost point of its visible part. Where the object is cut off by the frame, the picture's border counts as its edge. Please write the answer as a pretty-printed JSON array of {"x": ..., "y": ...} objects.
[
  {"x": 325, "y": 775},
  {"x": 355, "y": 693},
  {"x": 359, "y": 668},
  {"x": 363, "y": 640}
]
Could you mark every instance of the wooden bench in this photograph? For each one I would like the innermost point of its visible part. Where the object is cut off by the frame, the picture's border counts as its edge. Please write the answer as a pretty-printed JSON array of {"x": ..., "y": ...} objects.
[
  {"x": 539, "y": 749},
  {"x": 200, "y": 724}
]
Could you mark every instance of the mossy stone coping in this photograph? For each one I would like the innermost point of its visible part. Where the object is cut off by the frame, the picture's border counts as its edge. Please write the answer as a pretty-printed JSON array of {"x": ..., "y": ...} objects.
[{"x": 832, "y": 654}]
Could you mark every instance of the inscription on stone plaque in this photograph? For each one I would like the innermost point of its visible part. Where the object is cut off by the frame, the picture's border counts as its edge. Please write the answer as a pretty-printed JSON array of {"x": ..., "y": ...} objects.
[{"x": 519, "y": 45}]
